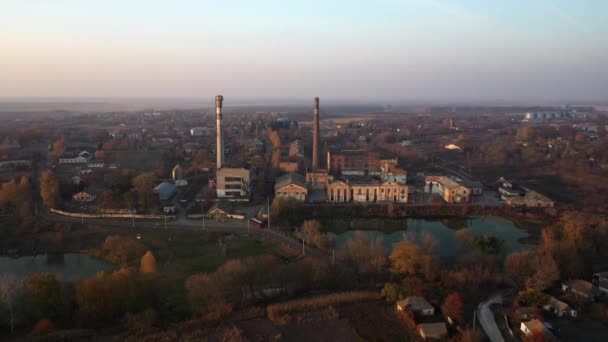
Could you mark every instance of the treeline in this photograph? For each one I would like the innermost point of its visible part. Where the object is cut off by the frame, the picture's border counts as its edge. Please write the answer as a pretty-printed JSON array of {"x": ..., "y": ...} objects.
[
  {"x": 16, "y": 196},
  {"x": 291, "y": 213}
]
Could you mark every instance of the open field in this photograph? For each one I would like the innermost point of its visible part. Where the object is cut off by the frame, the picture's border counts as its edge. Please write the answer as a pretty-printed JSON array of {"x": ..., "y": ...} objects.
[{"x": 189, "y": 252}]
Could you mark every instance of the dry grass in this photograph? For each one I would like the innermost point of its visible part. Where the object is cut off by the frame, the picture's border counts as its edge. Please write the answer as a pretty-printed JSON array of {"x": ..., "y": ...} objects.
[{"x": 280, "y": 312}]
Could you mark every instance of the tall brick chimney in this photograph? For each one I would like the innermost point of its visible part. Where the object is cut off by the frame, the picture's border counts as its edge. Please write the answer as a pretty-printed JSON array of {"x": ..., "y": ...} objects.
[
  {"x": 218, "y": 126},
  {"x": 315, "y": 137}
]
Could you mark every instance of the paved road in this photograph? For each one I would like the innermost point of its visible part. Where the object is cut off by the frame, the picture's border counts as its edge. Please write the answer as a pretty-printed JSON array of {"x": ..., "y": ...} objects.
[
  {"x": 231, "y": 226},
  {"x": 486, "y": 317}
]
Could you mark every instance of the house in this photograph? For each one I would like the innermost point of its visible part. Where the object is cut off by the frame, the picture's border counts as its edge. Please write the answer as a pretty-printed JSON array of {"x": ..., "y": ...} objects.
[
  {"x": 526, "y": 313},
  {"x": 417, "y": 305},
  {"x": 601, "y": 281},
  {"x": 536, "y": 328},
  {"x": 291, "y": 185},
  {"x": 432, "y": 330},
  {"x": 449, "y": 188},
  {"x": 234, "y": 183},
  {"x": 83, "y": 197},
  {"x": 165, "y": 191},
  {"x": 582, "y": 289},
  {"x": 223, "y": 210},
  {"x": 559, "y": 308}
]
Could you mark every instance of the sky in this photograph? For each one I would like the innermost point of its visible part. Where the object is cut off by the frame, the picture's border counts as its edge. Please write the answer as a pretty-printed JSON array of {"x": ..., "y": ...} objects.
[{"x": 393, "y": 51}]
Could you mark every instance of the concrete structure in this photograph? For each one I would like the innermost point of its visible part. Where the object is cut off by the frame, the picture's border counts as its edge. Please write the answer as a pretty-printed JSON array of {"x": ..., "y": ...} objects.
[
  {"x": 417, "y": 305},
  {"x": 165, "y": 191},
  {"x": 291, "y": 185},
  {"x": 318, "y": 179},
  {"x": 295, "y": 149},
  {"x": 433, "y": 331},
  {"x": 233, "y": 182},
  {"x": 315, "y": 136},
  {"x": 391, "y": 173},
  {"x": 367, "y": 190},
  {"x": 289, "y": 166},
  {"x": 219, "y": 138},
  {"x": 530, "y": 199},
  {"x": 448, "y": 188},
  {"x": 352, "y": 162},
  {"x": 82, "y": 158},
  {"x": 199, "y": 131}
]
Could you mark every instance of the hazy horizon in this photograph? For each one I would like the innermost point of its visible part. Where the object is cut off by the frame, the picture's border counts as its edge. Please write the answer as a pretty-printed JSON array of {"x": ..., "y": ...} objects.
[{"x": 389, "y": 52}]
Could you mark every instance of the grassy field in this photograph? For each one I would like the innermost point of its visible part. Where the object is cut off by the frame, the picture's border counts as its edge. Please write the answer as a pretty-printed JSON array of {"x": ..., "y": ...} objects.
[{"x": 189, "y": 252}]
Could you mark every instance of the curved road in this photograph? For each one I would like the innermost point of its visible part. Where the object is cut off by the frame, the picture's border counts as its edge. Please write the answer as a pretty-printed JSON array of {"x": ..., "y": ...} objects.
[{"x": 486, "y": 317}]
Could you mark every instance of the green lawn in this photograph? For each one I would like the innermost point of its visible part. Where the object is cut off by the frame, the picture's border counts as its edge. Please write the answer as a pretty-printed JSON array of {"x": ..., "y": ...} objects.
[{"x": 188, "y": 252}]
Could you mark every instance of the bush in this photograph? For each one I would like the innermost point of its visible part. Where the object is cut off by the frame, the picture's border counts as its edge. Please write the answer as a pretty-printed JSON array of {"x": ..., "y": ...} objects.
[
  {"x": 278, "y": 313},
  {"x": 42, "y": 327}
]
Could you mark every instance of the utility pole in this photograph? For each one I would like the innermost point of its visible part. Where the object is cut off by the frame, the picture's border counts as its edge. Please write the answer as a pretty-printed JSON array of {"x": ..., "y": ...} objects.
[
  {"x": 303, "y": 248},
  {"x": 203, "y": 222},
  {"x": 333, "y": 256},
  {"x": 165, "y": 221},
  {"x": 132, "y": 220},
  {"x": 82, "y": 217}
]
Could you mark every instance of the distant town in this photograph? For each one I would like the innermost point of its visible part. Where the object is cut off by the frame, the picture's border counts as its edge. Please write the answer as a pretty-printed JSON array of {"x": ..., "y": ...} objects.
[{"x": 430, "y": 222}]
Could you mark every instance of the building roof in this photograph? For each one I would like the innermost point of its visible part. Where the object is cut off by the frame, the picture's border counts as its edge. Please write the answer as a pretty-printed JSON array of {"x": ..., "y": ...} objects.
[
  {"x": 557, "y": 304},
  {"x": 583, "y": 286},
  {"x": 535, "y": 326},
  {"x": 433, "y": 330},
  {"x": 165, "y": 189},
  {"x": 415, "y": 303},
  {"x": 290, "y": 178}
]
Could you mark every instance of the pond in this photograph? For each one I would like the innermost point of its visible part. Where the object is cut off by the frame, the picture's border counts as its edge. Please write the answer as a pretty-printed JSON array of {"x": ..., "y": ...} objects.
[
  {"x": 445, "y": 232},
  {"x": 67, "y": 266}
]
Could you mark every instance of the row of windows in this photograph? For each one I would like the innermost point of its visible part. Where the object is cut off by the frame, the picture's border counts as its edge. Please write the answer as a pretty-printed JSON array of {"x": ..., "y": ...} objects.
[
  {"x": 233, "y": 186},
  {"x": 233, "y": 179}
]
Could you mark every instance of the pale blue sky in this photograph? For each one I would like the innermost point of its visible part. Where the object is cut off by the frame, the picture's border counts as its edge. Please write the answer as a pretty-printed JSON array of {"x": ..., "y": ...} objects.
[{"x": 383, "y": 50}]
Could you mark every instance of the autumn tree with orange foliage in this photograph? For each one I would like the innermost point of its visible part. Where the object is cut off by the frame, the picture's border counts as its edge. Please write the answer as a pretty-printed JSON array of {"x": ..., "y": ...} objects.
[
  {"x": 49, "y": 189},
  {"x": 148, "y": 263},
  {"x": 452, "y": 306}
]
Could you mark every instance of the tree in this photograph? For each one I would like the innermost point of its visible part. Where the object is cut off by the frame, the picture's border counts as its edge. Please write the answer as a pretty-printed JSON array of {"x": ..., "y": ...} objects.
[
  {"x": 312, "y": 231},
  {"x": 44, "y": 292},
  {"x": 409, "y": 259},
  {"x": 49, "y": 189},
  {"x": 108, "y": 200},
  {"x": 365, "y": 255},
  {"x": 148, "y": 263},
  {"x": 547, "y": 272},
  {"x": 452, "y": 306},
  {"x": 532, "y": 297},
  {"x": 10, "y": 291},
  {"x": 144, "y": 185},
  {"x": 58, "y": 147},
  {"x": 391, "y": 292}
]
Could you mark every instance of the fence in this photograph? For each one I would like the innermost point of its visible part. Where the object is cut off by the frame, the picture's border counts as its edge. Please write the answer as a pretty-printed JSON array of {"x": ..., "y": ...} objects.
[{"x": 102, "y": 216}]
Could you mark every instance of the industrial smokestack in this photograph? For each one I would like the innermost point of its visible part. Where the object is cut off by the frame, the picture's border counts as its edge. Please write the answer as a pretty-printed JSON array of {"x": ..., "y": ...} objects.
[
  {"x": 315, "y": 137},
  {"x": 218, "y": 124}
]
